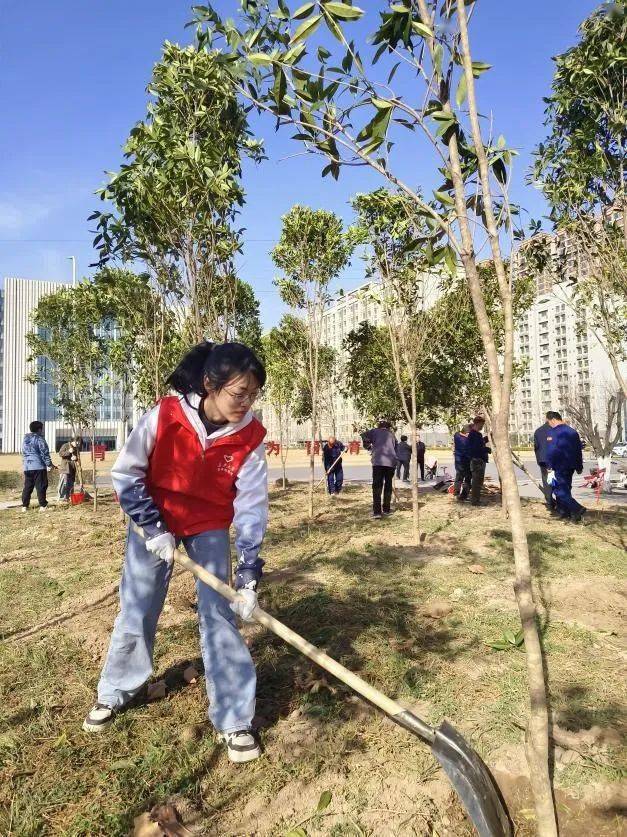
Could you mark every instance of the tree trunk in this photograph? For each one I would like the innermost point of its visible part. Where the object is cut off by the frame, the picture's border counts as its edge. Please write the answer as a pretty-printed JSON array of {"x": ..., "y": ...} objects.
[
  {"x": 312, "y": 463},
  {"x": 93, "y": 465},
  {"x": 617, "y": 371},
  {"x": 605, "y": 461},
  {"x": 537, "y": 739},
  {"x": 415, "y": 508}
]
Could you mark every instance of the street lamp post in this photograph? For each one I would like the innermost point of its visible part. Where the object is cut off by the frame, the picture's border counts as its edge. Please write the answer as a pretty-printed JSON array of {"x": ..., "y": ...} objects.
[{"x": 73, "y": 260}]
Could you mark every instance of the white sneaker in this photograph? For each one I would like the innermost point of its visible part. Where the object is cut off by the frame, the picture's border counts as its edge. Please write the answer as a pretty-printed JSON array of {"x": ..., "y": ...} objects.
[
  {"x": 44, "y": 508},
  {"x": 100, "y": 716},
  {"x": 241, "y": 746},
  {"x": 24, "y": 508}
]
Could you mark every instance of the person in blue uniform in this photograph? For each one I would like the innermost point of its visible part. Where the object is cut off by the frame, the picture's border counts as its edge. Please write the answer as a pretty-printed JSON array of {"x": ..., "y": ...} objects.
[
  {"x": 564, "y": 457},
  {"x": 540, "y": 446},
  {"x": 332, "y": 459},
  {"x": 462, "y": 464},
  {"x": 478, "y": 455}
]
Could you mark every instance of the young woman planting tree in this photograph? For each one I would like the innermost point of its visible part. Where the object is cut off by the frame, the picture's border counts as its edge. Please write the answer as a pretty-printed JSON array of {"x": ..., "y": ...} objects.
[{"x": 194, "y": 464}]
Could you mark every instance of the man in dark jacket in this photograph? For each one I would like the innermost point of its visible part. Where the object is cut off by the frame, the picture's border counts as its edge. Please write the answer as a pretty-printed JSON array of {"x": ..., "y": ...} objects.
[
  {"x": 332, "y": 460},
  {"x": 564, "y": 457},
  {"x": 540, "y": 446},
  {"x": 403, "y": 458},
  {"x": 478, "y": 455},
  {"x": 462, "y": 464},
  {"x": 420, "y": 457},
  {"x": 381, "y": 443},
  {"x": 36, "y": 462}
]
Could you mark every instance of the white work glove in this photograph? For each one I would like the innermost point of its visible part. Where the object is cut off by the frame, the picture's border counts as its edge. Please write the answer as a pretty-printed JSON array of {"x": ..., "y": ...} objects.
[
  {"x": 245, "y": 604},
  {"x": 550, "y": 476},
  {"x": 162, "y": 546}
]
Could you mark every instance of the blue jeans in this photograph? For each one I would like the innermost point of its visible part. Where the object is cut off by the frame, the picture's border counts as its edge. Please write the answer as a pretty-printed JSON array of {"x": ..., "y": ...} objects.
[
  {"x": 229, "y": 670},
  {"x": 562, "y": 487},
  {"x": 335, "y": 480}
]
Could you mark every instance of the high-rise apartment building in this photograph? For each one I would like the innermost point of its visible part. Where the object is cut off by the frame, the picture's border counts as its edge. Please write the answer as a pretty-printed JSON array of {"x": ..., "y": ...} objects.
[
  {"x": 562, "y": 358},
  {"x": 24, "y": 402}
]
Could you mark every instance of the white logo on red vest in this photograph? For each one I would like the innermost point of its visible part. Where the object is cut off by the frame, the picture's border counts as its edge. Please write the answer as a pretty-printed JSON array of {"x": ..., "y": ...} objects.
[{"x": 225, "y": 466}]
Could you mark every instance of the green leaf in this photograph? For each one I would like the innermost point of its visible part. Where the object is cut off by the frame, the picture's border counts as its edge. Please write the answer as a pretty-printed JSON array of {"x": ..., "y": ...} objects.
[
  {"x": 401, "y": 10},
  {"x": 510, "y": 637},
  {"x": 462, "y": 91},
  {"x": 343, "y": 12},
  {"x": 324, "y": 801},
  {"x": 303, "y": 11},
  {"x": 500, "y": 646},
  {"x": 479, "y": 67},
  {"x": 296, "y": 832},
  {"x": 381, "y": 104},
  {"x": 450, "y": 259},
  {"x": 307, "y": 28},
  {"x": 323, "y": 53},
  {"x": 444, "y": 198},
  {"x": 259, "y": 58},
  {"x": 420, "y": 29}
]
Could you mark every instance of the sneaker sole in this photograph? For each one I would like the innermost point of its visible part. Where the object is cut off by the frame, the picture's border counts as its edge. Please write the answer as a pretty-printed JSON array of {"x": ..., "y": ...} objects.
[
  {"x": 87, "y": 727},
  {"x": 242, "y": 756}
]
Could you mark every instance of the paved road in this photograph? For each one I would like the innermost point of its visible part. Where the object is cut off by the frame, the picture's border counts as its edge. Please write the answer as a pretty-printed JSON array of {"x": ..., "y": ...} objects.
[{"x": 362, "y": 473}]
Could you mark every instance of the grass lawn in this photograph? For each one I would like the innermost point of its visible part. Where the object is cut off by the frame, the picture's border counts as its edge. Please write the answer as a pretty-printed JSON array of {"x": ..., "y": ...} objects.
[{"x": 360, "y": 590}]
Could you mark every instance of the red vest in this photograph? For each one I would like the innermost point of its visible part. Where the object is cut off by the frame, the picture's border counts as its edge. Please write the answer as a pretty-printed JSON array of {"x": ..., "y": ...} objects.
[{"x": 194, "y": 487}]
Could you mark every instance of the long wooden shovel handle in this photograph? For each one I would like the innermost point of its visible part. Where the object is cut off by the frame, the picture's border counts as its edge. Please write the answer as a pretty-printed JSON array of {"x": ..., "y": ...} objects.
[
  {"x": 386, "y": 704},
  {"x": 331, "y": 467}
]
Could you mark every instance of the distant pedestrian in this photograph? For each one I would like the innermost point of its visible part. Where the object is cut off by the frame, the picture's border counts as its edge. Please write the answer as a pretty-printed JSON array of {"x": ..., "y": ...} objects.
[
  {"x": 332, "y": 460},
  {"x": 564, "y": 457},
  {"x": 36, "y": 462},
  {"x": 478, "y": 455},
  {"x": 540, "y": 446},
  {"x": 403, "y": 458},
  {"x": 381, "y": 443},
  {"x": 462, "y": 464},
  {"x": 421, "y": 449},
  {"x": 69, "y": 453}
]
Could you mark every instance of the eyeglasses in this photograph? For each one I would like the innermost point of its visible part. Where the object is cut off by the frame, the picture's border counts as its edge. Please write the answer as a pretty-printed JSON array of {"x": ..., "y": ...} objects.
[{"x": 243, "y": 397}]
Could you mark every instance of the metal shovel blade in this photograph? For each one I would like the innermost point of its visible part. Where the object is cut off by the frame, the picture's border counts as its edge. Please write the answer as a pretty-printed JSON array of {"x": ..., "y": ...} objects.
[{"x": 472, "y": 780}]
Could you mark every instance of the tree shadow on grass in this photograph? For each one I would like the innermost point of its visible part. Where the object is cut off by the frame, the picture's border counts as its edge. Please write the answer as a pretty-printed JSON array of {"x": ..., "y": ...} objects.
[{"x": 573, "y": 709}]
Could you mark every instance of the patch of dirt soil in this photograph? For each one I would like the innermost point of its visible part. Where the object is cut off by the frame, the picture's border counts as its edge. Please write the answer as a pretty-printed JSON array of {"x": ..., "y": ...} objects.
[{"x": 599, "y": 603}]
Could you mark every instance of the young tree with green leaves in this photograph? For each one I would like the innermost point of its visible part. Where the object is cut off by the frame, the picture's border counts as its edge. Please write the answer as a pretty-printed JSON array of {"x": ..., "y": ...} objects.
[
  {"x": 349, "y": 108},
  {"x": 580, "y": 168},
  {"x": 147, "y": 344},
  {"x": 313, "y": 249},
  {"x": 407, "y": 285},
  {"x": 176, "y": 198},
  {"x": 281, "y": 388},
  {"x": 369, "y": 379},
  {"x": 68, "y": 334}
]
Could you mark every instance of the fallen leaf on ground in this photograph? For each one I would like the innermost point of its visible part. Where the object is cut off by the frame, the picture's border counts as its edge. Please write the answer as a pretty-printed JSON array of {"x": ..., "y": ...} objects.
[
  {"x": 191, "y": 674},
  {"x": 156, "y": 691},
  {"x": 169, "y": 821},
  {"x": 437, "y": 610},
  {"x": 479, "y": 569}
]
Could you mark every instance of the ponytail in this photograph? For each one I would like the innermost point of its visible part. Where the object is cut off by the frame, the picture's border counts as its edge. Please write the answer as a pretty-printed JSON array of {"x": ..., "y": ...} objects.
[
  {"x": 218, "y": 363},
  {"x": 188, "y": 377}
]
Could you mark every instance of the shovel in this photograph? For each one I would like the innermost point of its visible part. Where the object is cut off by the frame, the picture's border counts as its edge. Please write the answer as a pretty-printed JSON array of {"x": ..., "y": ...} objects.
[{"x": 466, "y": 771}]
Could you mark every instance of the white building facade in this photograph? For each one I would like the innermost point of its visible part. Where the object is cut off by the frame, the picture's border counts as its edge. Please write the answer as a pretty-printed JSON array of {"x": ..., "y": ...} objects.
[
  {"x": 562, "y": 357},
  {"x": 24, "y": 402}
]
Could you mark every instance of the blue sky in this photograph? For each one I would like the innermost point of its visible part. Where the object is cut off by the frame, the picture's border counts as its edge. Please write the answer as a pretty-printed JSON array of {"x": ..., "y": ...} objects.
[{"x": 73, "y": 83}]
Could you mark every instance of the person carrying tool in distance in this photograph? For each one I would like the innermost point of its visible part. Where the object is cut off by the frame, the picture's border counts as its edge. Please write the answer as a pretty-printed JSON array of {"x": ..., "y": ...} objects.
[
  {"x": 194, "y": 464},
  {"x": 332, "y": 459}
]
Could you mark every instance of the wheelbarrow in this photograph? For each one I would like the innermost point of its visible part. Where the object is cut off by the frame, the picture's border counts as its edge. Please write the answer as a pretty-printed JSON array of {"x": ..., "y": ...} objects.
[{"x": 466, "y": 772}]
